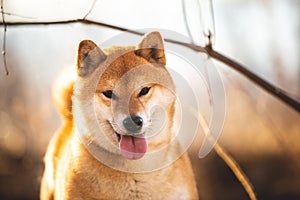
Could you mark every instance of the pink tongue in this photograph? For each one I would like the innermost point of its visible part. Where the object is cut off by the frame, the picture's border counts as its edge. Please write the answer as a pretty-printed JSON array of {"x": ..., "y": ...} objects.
[{"x": 133, "y": 148}]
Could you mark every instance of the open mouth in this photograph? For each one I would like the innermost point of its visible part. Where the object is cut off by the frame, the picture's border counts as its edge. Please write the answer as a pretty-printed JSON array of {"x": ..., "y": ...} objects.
[{"x": 132, "y": 147}]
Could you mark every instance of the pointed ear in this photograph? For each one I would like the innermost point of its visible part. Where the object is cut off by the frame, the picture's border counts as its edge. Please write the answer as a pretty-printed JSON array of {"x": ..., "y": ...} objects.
[
  {"x": 152, "y": 48},
  {"x": 89, "y": 57}
]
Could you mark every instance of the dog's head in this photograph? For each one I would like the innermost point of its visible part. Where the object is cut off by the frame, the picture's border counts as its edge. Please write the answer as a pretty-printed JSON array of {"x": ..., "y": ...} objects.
[{"x": 133, "y": 95}]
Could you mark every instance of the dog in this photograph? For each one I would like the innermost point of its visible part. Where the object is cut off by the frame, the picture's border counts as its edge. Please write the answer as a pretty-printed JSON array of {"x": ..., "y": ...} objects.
[{"x": 118, "y": 140}]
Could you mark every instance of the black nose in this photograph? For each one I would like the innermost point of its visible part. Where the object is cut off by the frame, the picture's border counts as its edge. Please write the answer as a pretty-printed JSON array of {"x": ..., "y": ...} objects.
[{"x": 133, "y": 123}]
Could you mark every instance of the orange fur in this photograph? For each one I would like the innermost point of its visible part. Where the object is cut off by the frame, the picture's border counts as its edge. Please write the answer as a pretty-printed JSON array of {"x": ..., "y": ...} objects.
[{"x": 71, "y": 172}]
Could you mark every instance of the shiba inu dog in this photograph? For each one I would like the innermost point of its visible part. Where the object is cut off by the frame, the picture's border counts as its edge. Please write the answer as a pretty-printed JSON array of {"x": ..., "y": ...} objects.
[{"x": 120, "y": 110}]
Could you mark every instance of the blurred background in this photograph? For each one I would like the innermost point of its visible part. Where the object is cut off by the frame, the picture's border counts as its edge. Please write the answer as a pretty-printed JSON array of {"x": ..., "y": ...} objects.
[{"x": 260, "y": 132}]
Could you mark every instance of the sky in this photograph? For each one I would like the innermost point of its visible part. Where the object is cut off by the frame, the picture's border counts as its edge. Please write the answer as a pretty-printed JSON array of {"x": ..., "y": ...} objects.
[{"x": 259, "y": 34}]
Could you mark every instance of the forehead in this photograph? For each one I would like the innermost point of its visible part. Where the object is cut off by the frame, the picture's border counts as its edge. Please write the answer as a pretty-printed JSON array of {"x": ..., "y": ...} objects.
[{"x": 127, "y": 70}]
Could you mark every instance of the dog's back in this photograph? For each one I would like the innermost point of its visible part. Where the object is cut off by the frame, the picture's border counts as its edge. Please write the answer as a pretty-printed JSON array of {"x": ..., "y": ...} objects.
[{"x": 62, "y": 95}]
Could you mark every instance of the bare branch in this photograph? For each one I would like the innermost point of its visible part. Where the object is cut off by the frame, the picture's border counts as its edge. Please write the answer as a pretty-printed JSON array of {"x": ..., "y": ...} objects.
[
  {"x": 86, "y": 21},
  {"x": 275, "y": 91},
  {"x": 4, "y": 40}
]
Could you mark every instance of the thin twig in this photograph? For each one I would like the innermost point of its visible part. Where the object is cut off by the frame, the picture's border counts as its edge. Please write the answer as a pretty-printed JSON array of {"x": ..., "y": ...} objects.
[
  {"x": 4, "y": 40},
  {"x": 213, "y": 17},
  {"x": 187, "y": 27},
  {"x": 17, "y": 15},
  {"x": 90, "y": 10},
  {"x": 232, "y": 164},
  {"x": 275, "y": 91}
]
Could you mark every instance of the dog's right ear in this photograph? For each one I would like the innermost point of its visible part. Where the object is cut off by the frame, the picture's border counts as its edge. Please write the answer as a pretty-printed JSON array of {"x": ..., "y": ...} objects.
[{"x": 89, "y": 57}]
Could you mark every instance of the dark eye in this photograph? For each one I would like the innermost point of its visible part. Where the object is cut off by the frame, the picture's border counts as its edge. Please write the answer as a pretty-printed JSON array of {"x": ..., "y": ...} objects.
[
  {"x": 144, "y": 91},
  {"x": 109, "y": 94}
]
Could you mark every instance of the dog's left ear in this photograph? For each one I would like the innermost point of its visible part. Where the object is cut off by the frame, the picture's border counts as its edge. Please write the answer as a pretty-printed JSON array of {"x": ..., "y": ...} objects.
[{"x": 152, "y": 48}]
